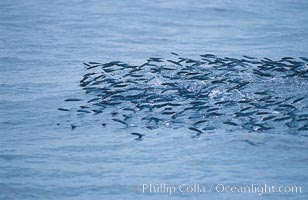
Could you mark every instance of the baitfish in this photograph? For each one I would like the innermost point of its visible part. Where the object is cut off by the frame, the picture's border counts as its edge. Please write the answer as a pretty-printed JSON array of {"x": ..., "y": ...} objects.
[
  {"x": 298, "y": 100},
  {"x": 72, "y": 99},
  {"x": 120, "y": 121},
  {"x": 63, "y": 109},
  {"x": 195, "y": 129},
  {"x": 138, "y": 134},
  {"x": 200, "y": 122},
  {"x": 231, "y": 123}
]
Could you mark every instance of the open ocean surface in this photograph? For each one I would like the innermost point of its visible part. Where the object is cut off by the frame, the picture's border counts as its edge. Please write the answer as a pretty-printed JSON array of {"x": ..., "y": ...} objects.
[{"x": 43, "y": 45}]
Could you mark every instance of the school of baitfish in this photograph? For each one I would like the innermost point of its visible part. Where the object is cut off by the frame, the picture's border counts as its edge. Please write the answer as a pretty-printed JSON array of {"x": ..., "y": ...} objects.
[{"x": 201, "y": 94}]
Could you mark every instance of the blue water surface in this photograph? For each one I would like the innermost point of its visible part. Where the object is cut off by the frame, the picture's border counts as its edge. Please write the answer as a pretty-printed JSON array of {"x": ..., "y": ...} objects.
[{"x": 42, "y": 47}]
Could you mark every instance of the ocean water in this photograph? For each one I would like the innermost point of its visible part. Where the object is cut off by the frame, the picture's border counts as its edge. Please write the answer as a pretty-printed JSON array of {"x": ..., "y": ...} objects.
[{"x": 43, "y": 46}]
